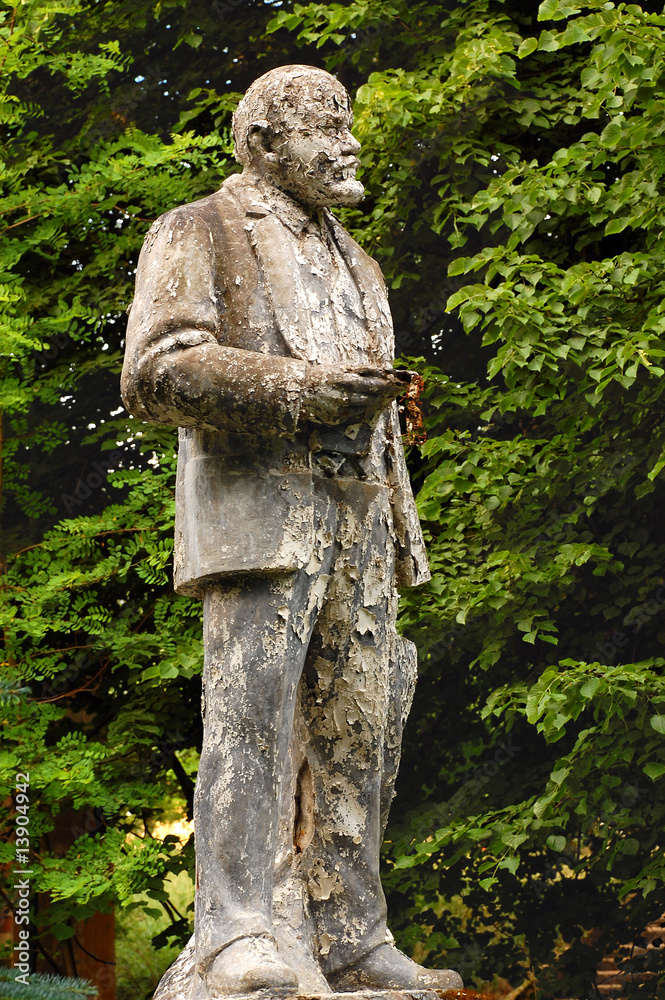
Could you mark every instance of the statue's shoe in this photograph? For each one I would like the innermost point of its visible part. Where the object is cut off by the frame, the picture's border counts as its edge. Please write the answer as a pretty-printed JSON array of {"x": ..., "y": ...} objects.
[
  {"x": 386, "y": 968},
  {"x": 247, "y": 965}
]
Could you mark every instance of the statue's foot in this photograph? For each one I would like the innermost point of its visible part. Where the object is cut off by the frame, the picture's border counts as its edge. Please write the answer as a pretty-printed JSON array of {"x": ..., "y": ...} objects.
[
  {"x": 386, "y": 968},
  {"x": 247, "y": 965}
]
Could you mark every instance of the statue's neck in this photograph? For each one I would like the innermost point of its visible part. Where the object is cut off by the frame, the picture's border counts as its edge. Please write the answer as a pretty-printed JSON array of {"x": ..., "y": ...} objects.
[{"x": 272, "y": 193}]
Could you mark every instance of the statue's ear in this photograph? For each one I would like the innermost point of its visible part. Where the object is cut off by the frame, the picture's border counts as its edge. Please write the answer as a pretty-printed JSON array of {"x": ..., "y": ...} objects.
[{"x": 260, "y": 135}]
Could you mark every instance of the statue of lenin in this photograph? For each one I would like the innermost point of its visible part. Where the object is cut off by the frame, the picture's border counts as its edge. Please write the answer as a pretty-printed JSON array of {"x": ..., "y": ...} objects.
[{"x": 262, "y": 330}]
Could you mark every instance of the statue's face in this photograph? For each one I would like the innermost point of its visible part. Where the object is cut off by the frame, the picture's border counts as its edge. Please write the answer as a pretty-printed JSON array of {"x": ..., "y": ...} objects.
[{"x": 317, "y": 157}]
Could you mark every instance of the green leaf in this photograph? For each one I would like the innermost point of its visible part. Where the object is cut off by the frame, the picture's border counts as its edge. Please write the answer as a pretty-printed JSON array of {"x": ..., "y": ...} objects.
[
  {"x": 458, "y": 266},
  {"x": 548, "y": 9},
  {"x": 510, "y": 863},
  {"x": 611, "y": 135},
  {"x": 616, "y": 226},
  {"x": 528, "y": 46},
  {"x": 657, "y": 468},
  {"x": 548, "y": 42},
  {"x": 560, "y": 775},
  {"x": 654, "y": 770},
  {"x": 540, "y": 488},
  {"x": 657, "y": 722},
  {"x": 589, "y": 689},
  {"x": 629, "y": 846}
]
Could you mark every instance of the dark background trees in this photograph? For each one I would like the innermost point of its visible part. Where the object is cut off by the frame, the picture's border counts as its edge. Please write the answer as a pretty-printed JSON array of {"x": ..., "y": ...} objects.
[{"x": 514, "y": 164}]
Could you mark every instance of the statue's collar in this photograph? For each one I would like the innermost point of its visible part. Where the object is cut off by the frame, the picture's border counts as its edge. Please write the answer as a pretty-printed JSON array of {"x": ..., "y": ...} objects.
[{"x": 261, "y": 199}]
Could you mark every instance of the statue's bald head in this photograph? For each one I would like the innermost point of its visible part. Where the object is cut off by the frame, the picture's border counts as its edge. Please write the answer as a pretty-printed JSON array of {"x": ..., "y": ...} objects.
[
  {"x": 284, "y": 97},
  {"x": 293, "y": 129}
]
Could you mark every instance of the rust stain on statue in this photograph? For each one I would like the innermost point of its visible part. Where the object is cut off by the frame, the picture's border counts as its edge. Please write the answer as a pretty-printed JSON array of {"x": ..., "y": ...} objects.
[
  {"x": 411, "y": 406},
  {"x": 303, "y": 831}
]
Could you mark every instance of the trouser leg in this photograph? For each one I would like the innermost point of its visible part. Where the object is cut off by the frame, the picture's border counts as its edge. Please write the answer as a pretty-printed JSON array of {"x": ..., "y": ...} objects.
[
  {"x": 347, "y": 694},
  {"x": 256, "y": 633}
]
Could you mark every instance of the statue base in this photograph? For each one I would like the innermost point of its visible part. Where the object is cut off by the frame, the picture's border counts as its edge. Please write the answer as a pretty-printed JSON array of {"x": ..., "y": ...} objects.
[{"x": 180, "y": 982}]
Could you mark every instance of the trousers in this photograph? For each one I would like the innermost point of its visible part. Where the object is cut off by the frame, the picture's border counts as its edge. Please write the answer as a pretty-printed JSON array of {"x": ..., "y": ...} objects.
[{"x": 306, "y": 689}]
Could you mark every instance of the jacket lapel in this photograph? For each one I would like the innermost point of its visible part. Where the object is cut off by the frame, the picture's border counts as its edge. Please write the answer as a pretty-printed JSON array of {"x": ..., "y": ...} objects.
[
  {"x": 281, "y": 270},
  {"x": 369, "y": 280},
  {"x": 285, "y": 282}
]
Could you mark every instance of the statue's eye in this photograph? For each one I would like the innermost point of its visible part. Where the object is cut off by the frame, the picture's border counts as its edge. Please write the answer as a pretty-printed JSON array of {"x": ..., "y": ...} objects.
[{"x": 333, "y": 127}]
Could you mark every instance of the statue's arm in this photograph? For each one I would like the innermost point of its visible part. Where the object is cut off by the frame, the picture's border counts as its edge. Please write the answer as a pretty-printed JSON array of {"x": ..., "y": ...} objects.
[{"x": 176, "y": 371}]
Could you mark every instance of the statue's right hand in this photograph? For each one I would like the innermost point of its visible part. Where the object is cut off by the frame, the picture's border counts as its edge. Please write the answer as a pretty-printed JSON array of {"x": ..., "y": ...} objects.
[{"x": 336, "y": 395}]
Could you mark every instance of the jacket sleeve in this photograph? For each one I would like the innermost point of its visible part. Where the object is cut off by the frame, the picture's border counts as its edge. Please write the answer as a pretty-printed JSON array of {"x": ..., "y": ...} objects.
[{"x": 176, "y": 371}]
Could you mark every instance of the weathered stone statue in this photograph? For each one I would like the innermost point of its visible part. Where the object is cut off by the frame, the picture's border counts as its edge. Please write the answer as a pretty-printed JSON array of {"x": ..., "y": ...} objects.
[{"x": 263, "y": 331}]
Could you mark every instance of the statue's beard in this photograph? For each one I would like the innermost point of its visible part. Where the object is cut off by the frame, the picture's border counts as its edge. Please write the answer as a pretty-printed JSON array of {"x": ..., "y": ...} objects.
[{"x": 321, "y": 182}]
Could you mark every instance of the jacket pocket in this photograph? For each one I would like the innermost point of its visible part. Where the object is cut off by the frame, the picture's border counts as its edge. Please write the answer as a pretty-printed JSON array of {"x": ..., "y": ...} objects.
[{"x": 239, "y": 523}]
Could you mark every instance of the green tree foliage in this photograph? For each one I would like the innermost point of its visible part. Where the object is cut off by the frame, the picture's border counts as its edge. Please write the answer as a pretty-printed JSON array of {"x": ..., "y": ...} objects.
[{"x": 514, "y": 163}]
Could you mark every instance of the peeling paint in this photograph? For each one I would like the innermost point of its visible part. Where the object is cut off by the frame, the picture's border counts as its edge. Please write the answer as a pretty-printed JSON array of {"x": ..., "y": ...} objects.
[
  {"x": 321, "y": 884},
  {"x": 366, "y": 621}
]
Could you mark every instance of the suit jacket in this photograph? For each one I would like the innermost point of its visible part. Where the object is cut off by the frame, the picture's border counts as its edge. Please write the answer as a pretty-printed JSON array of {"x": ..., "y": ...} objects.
[{"x": 220, "y": 342}]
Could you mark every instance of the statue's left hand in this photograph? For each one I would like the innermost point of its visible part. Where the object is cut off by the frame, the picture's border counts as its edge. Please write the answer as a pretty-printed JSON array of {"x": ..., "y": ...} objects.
[{"x": 336, "y": 394}]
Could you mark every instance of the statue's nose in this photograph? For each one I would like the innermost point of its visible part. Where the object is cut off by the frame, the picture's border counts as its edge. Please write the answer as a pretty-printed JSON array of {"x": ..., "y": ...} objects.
[{"x": 350, "y": 145}]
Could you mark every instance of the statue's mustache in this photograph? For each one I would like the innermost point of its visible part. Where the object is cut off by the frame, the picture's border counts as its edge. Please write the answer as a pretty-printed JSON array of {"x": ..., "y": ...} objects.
[{"x": 343, "y": 167}]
